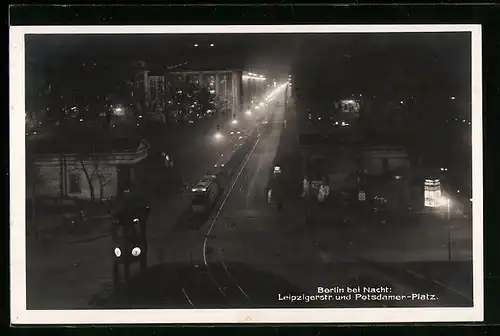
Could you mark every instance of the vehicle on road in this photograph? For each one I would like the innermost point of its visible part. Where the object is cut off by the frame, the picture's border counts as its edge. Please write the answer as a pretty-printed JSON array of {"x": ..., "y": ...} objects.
[
  {"x": 276, "y": 187},
  {"x": 204, "y": 194}
]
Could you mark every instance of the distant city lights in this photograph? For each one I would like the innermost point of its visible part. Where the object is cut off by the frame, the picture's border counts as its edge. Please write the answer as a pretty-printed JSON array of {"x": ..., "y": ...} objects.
[{"x": 255, "y": 76}]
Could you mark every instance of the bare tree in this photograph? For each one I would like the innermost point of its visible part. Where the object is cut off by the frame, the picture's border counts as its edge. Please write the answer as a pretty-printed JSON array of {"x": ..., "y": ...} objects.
[
  {"x": 103, "y": 180},
  {"x": 90, "y": 176},
  {"x": 95, "y": 172}
]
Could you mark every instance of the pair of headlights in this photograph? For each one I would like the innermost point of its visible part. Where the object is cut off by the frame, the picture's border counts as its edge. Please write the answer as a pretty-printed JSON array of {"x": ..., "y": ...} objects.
[{"x": 136, "y": 251}]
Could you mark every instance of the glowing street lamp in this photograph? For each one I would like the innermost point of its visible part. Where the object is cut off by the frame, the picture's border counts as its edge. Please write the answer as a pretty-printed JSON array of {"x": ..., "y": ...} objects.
[
  {"x": 248, "y": 113},
  {"x": 218, "y": 136},
  {"x": 445, "y": 201},
  {"x": 234, "y": 122}
]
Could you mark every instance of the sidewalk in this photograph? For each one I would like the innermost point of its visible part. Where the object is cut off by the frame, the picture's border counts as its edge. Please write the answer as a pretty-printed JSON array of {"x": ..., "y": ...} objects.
[
  {"x": 58, "y": 230},
  {"x": 422, "y": 240}
]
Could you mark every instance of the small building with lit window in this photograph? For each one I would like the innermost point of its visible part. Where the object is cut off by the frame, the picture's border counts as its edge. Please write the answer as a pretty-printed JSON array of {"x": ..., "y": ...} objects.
[{"x": 93, "y": 168}]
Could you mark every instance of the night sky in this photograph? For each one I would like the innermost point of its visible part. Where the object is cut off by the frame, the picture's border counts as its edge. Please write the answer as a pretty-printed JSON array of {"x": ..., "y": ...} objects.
[{"x": 382, "y": 63}]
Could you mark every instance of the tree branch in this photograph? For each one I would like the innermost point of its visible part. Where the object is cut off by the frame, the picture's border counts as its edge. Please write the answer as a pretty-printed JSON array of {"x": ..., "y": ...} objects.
[{"x": 85, "y": 171}]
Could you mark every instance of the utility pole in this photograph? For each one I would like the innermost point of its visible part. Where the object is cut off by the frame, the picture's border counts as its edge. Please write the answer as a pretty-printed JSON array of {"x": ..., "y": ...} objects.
[{"x": 286, "y": 101}]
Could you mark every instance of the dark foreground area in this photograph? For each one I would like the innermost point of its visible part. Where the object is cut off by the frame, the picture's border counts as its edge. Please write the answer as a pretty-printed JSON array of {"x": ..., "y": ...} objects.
[{"x": 235, "y": 285}]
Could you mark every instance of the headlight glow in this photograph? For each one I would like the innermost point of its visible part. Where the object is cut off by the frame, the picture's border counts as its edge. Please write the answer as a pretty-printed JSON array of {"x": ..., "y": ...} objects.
[{"x": 136, "y": 251}]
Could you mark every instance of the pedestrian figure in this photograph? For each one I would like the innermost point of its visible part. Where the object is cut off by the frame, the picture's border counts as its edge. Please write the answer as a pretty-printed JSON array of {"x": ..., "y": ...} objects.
[
  {"x": 321, "y": 193},
  {"x": 305, "y": 187},
  {"x": 326, "y": 190}
]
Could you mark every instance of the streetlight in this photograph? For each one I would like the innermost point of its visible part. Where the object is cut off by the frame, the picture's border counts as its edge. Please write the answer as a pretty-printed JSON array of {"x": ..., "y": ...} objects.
[
  {"x": 218, "y": 136},
  {"x": 248, "y": 113},
  {"x": 196, "y": 44},
  {"x": 447, "y": 202},
  {"x": 211, "y": 44},
  {"x": 234, "y": 121}
]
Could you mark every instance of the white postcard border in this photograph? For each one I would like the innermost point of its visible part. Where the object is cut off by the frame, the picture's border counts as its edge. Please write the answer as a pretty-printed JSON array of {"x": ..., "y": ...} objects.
[{"x": 19, "y": 313}]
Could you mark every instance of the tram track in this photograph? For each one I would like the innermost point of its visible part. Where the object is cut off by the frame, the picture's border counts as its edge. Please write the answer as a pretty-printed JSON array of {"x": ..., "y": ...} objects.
[
  {"x": 214, "y": 264},
  {"x": 229, "y": 285},
  {"x": 224, "y": 288}
]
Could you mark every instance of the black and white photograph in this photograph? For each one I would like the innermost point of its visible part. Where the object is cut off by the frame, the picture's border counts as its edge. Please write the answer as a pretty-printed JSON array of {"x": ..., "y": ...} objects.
[{"x": 246, "y": 174}]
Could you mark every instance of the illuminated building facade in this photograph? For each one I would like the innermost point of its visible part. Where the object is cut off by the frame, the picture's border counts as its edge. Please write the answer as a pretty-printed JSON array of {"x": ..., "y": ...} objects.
[
  {"x": 432, "y": 193},
  {"x": 253, "y": 87},
  {"x": 224, "y": 89}
]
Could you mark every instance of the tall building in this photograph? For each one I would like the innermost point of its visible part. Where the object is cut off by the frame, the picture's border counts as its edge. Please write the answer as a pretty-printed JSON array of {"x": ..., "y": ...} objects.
[
  {"x": 253, "y": 86},
  {"x": 162, "y": 87}
]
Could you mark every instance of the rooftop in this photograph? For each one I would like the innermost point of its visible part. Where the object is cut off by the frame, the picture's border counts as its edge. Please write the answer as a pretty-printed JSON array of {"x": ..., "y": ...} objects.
[{"x": 84, "y": 141}]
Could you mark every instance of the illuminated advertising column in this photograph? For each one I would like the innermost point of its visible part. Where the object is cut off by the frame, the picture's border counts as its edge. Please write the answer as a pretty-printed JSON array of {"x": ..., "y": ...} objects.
[{"x": 432, "y": 193}]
